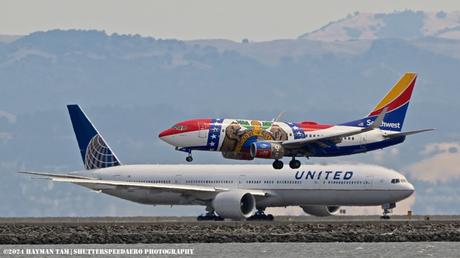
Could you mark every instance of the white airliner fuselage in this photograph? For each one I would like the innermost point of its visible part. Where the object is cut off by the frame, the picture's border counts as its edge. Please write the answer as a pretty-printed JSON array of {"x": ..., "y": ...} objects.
[{"x": 309, "y": 187}]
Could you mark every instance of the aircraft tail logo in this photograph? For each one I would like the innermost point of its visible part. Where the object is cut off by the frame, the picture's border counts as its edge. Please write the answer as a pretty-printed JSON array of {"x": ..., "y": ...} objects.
[
  {"x": 396, "y": 101},
  {"x": 95, "y": 152}
]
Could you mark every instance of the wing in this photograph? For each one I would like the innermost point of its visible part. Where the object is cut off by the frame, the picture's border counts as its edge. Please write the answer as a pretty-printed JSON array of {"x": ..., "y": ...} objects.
[
  {"x": 329, "y": 139},
  {"x": 99, "y": 184},
  {"x": 49, "y": 175}
]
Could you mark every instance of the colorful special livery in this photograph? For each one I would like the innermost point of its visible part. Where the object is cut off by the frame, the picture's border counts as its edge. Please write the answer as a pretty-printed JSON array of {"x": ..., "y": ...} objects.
[{"x": 248, "y": 139}]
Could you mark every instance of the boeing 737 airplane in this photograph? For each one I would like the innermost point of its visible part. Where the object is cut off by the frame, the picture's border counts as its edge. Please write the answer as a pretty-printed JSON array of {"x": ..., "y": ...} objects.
[
  {"x": 248, "y": 139},
  {"x": 230, "y": 191}
]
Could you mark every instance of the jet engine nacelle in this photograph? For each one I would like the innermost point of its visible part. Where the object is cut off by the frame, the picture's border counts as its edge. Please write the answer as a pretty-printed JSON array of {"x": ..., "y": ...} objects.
[
  {"x": 234, "y": 204},
  {"x": 267, "y": 150},
  {"x": 320, "y": 211}
]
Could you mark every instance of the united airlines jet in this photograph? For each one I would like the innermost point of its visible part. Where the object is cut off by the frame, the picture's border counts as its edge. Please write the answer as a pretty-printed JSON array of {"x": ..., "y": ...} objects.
[
  {"x": 249, "y": 139},
  {"x": 230, "y": 191}
]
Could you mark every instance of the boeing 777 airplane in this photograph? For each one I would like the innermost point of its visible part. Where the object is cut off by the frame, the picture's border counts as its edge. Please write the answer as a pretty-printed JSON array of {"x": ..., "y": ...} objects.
[
  {"x": 230, "y": 191},
  {"x": 248, "y": 139}
]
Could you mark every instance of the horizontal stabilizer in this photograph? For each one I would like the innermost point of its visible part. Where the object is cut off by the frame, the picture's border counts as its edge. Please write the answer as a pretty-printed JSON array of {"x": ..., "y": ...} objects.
[{"x": 394, "y": 135}]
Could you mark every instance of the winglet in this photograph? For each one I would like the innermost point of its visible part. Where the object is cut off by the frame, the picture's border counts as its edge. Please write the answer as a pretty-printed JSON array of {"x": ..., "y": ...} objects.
[
  {"x": 278, "y": 117},
  {"x": 379, "y": 120}
]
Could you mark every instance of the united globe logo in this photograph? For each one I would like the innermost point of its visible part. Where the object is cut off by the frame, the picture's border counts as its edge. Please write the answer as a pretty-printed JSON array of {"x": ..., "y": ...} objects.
[{"x": 98, "y": 154}]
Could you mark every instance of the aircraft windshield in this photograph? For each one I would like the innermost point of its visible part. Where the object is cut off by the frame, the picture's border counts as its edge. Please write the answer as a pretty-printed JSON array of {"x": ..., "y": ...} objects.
[
  {"x": 398, "y": 180},
  {"x": 180, "y": 127}
]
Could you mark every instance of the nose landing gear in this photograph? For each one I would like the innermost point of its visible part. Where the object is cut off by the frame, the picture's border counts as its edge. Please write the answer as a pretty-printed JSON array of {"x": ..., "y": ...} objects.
[
  {"x": 189, "y": 157},
  {"x": 387, "y": 209}
]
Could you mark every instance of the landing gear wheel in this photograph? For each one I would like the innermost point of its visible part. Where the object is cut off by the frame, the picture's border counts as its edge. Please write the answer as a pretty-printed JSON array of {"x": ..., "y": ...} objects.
[
  {"x": 189, "y": 159},
  {"x": 260, "y": 215},
  {"x": 294, "y": 164},
  {"x": 278, "y": 164},
  {"x": 209, "y": 217},
  {"x": 387, "y": 209}
]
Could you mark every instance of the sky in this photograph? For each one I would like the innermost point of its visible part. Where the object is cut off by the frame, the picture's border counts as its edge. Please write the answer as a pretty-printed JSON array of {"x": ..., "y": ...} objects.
[{"x": 257, "y": 20}]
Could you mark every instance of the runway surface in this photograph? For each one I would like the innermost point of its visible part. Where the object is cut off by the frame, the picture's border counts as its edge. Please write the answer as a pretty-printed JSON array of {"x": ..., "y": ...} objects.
[{"x": 130, "y": 230}]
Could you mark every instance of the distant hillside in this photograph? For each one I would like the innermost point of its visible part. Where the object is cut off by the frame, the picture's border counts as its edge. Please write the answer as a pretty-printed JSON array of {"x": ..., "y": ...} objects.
[
  {"x": 8, "y": 38},
  {"x": 404, "y": 25}
]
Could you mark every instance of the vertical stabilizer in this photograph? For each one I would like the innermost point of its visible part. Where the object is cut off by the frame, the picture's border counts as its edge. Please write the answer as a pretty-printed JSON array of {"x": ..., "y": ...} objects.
[
  {"x": 94, "y": 150},
  {"x": 396, "y": 102}
]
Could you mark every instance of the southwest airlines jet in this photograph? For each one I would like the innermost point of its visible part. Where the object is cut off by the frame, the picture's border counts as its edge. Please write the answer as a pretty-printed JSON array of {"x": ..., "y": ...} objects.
[
  {"x": 248, "y": 139},
  {"x": 230, "y": 191}
]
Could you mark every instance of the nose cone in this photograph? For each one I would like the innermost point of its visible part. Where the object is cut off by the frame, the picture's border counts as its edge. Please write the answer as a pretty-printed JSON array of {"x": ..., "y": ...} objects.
[
  {"x": 168, "y": 136},
  {"x": 166, "y": 132},
  {"x": 410, "y": 188}
]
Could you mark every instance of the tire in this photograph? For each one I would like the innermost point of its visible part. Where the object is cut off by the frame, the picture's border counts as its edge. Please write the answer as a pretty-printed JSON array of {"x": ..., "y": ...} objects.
[
  {"x": 295, "y": 164},
  {"x": 278, "y": 164}
]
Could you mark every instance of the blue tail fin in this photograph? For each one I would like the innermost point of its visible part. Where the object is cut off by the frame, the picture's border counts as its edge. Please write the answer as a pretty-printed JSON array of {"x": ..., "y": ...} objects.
[{"x": 94, "y": 150}]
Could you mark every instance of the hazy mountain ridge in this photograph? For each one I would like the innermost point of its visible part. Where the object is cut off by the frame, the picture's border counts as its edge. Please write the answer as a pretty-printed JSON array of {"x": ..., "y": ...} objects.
[{"x": 399, "y": 24}]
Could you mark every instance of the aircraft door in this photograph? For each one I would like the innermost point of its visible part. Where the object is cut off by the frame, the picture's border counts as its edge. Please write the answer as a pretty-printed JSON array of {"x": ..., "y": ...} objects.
[
  {"x": 178, "y": 179},
  {"x": 241, "y": 181},
  {"x": 369, "y": 182},
  {"x": 363, "y": 138},
  {"x": 362, "y": 141}
]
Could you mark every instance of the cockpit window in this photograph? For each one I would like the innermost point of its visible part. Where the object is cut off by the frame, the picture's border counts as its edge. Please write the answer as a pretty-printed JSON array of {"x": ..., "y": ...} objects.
[
  {"x": 398, "y": 180},
  {"x": 180, "y": 127}
]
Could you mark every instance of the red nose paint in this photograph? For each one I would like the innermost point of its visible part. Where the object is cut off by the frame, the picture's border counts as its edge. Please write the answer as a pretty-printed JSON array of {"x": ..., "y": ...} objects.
[{"x": 187, "y": 126}]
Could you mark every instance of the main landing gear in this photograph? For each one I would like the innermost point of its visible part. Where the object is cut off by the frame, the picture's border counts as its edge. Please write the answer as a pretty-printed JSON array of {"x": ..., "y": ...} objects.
[
  {"x": 210, "y": 215},
  {"x": 387, "y": 209},
  {"x": 278, "y": 164},
  {"x": 294, "y": 163},
  {"x": 260, "y": 215}
]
